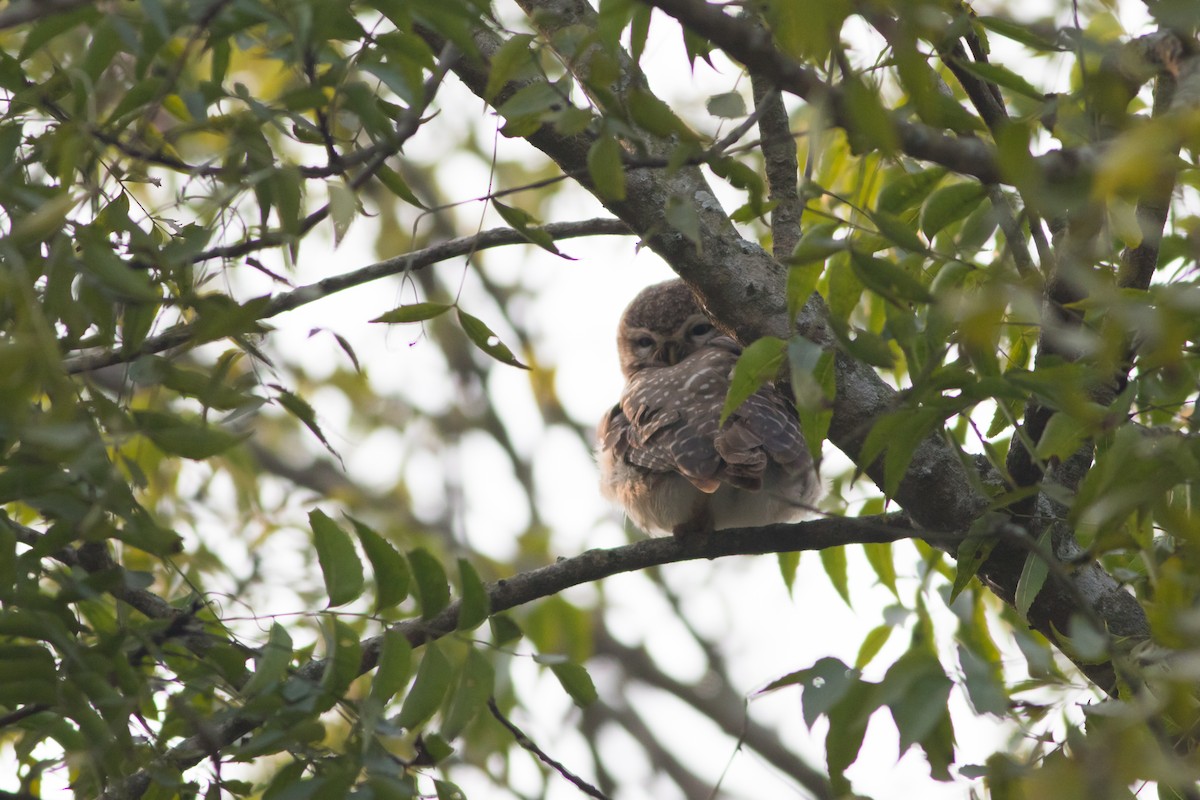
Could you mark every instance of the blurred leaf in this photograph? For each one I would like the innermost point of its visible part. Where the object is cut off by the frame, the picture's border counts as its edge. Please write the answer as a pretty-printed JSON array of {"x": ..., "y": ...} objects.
[
  {"x": 948, "y": 205},
  {"x": 299, "y": 408},
  {"x": 897, "y": 231},
  {"x": 184, "y": 437},
  {"x": 879, "y": 556},
  {"x": 789, "y": 562},
  {"x": 428, "y": 689},
  {"x": 907, "y": 189},
  {"x": 871, "y": 645},
  {"x": 395, "y": 667},
  {"x": 606, "y": 169},
  {"x": 509, "y": 62},
  {"x": 470, "y": 695},
  {"x": 888, "y": 280},
  {"x": 416, "y": 312},
  {"x": 271, "y": 666},
  {"x": 576, "y": 681},
  {"x": 980, "y": 540},
  {"x": 728, "y": 105},
  {"x": 1033, "y": 577},
  {"x": 339, "y": 561},
  {"x": 475, "y": 604},
  {"x": 483, "y": 338},
  {"x": 343, "y": 656},
  {"x": 834, "y": 561},
  {"x": 756, "y": 367},
  {"x": 433, "y": 589}
]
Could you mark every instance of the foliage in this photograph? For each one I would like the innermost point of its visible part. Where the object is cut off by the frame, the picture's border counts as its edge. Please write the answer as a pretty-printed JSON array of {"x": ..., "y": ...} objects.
[{"x": 982, "y": 292}]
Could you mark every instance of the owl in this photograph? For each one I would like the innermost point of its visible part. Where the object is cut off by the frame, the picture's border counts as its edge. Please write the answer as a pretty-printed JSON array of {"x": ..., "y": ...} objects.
[{"x": 665, "y": 457}]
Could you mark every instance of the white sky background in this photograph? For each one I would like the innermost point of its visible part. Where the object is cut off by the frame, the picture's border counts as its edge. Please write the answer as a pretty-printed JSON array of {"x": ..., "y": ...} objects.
[{"x": 741, "y": 601}]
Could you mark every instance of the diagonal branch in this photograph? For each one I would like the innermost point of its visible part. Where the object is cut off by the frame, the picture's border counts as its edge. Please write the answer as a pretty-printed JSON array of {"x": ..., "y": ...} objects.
[
  {"x": 303, "y": 295},
  {"x": 23, "y": 11}
]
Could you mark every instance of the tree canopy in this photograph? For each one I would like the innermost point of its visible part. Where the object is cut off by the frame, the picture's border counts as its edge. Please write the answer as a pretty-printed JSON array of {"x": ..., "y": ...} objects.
[{"x": 294, "y": 455}]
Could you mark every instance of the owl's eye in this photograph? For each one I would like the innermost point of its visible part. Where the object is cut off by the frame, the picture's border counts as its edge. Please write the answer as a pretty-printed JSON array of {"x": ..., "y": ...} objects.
[
  {"x": 644, "y": 341},
  {"x": 700, "y": 329}
]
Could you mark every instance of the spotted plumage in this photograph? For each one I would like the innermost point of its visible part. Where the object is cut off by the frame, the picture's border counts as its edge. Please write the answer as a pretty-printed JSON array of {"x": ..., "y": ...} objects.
[{"x": 665, "y": 457}]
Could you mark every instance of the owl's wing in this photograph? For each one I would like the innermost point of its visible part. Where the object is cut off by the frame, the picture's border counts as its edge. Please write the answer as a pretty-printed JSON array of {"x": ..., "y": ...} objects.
[
  {"x": 764, "y": 433},
  {"x": 672, "y": 415}
]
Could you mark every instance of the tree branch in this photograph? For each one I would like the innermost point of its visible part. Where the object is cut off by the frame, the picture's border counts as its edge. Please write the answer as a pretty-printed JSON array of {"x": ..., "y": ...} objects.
[
  {"x": 417, "y": 259},
  {"x": 525, "y": 587},
  {"x": 23, "y": 11}
]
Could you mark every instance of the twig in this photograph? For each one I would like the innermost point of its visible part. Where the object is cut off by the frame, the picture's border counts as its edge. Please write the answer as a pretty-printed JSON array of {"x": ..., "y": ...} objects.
[
  {"x": 530, "y": 745},
  {"x": 22, "y": 11}
]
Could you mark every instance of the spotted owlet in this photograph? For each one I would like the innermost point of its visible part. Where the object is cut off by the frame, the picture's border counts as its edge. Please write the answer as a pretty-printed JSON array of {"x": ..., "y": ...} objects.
[{"x": 665, "y": 457}]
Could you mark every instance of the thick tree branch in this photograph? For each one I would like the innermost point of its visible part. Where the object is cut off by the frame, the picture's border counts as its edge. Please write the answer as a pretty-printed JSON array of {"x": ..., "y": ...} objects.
[{"x": 549, "y": 580}]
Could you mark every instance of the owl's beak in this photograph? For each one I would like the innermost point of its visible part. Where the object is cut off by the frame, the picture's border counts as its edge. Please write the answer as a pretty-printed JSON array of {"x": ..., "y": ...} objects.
[{"x": 671, "y": 353}]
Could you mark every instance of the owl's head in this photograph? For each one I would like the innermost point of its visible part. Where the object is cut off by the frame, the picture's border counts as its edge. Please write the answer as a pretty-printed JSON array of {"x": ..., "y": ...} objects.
[{"x": 661, "y": 327}]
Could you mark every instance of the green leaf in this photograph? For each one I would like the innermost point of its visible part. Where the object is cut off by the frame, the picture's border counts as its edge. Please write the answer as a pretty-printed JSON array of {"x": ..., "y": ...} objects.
[
  {"x": 789, "y": 562},
  {"x": 994, "y": 73},
  {"x": 483, "y": 338},
  {"x": 871, "y": 126},
  {"x": 527, "y": 226},
  {"x": 504, "y": 630},
  {"x": 756, "y": 366},
  {"x": 1033, "y": 577},
  {"x": 879, "y": 556},
  {"x": 299, "y": 408},
  {"x": 814, "y": 383},
  {"x": 183, "y": 437},
  {"x": 897, "y": 231},
  {"x": 343, "y": 656},
  {"x": 984, "y": 683},
  {"x": 395, "y": 667},
  {"x": 339, "y": 562},
  {"x": 510, "y": 61},
  {"x": 272, "y": 662},
  {"x": 1062, "y": 436},
  {"x": 416, "y": 312},
  {"x": 981, "y": 539},
  {"x": 816, "y": 244},
  {"x": 387, "y": 564},
  {"x": 576, "y": 681},
  {"x": 343, "y": 207},
  {"x": 728, "y": 105},
  {"x": 872, "y": 644},
  {"x": 834, "y": 561},
  {"x": 907, "y": 189},
  {"x": 605, "y": 168},
  {"x": 682, "y": 216},
  {"x": 475, "y": 603},
  {"x": 916, "y": 691},
  {"x": 428, "y": 689},
  {"x": 433, "y": 590},
  {"x": 949, "y": 204},
  {"x": 888, "y": 280},
  {"x": 475, "y": 685}
]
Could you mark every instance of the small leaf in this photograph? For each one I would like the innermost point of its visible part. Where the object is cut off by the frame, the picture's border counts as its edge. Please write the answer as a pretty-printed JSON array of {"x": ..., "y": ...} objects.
[
  {"x": 879, "y": 555},
  {"x": 483, "y": 338},
  {"x": 897, "y": 231},
  {"x": 343, "y": 206},
  {"x": 575, "y": 679},
  {"x": 789, "y": 562},
  {"x": 1061, "y": 437},
  {"x": 343, "y": 655},
  {"x": 834, "y": 561},
  {"x": 527, "y": 226},
  {"x": 182, "y": 437},
  {"x": 417, "y": 312},
  {"x": 908, "y": 189},
  {"x": 475, "y": 603},
  {"x": 509, "y": 61},
  {"x": 872, "y": 644},
  {"x": 683, "y": 217},
  {"x": 1033, "y": 576},
  {"x": 299, "y": 408},
  {"x": 475, "y": 685},
  {"x": 387, "y": 564},
  {"x": 756, "y": 366},
  {"x": 271, "y": 664},
  {"x": 728, "y": 105},
  {"x": 948, "y": 205},
  {"x": 981, "y": 539},
  {"x": 817, "y": 244},
  {"x": 395, "y": 666},
  {"x": 605, "y": 168},
  {"x": 433, "y": 590},
  {"x": 428, "y": 689},
  {"x": 888, "y": 280},
  {"x": 339, "y": 562}
]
